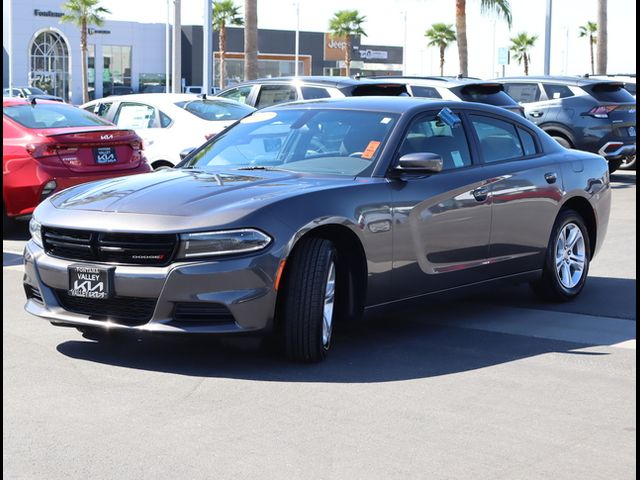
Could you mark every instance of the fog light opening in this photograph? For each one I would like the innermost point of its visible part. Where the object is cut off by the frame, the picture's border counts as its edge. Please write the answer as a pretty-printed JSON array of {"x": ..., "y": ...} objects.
[{"x": 48, "y": 189}]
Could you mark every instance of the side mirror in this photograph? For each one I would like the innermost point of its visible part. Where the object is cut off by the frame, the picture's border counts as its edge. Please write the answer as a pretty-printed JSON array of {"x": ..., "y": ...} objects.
[
  {"x": 420, "y": 162},
  {"x": 187, "y": 151}
]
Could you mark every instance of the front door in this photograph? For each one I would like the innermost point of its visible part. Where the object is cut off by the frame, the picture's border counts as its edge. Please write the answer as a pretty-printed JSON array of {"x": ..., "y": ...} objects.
[{"x": 442, "y": 221}]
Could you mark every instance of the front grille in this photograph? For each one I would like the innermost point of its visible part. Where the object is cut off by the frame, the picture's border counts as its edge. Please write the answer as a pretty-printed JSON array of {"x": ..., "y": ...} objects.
[
  {"x": 122, "y": 248},
  {"x": 33, "y": 293},
  {"x": 201, "y": 313},
  {"x": 130, "y": 311}
]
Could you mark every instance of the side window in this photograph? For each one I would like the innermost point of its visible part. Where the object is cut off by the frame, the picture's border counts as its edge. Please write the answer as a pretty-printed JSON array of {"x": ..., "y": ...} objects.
[
  {"x": 498, "y": 139},
  {"x": 528, "y": 143},
  {"x": 135, "y": 116},
  {"x": 274, "y": 94},
  {"x": 309, "y": 93},
  {"x": 557, "y": 91},
  {"x": 429, "y": 134},
  {"x": 239, "y": 94},
  {"x": 523, "y": 92},
  {"x": 100, "y": 109},
  {"x": 165, "y": 120},
  {"x": 425, "y": 92}
]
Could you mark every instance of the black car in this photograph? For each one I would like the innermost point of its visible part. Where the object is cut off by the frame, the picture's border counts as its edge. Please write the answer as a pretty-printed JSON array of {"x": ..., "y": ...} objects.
[
  {"x": 463, "y": 89},
  {"x": 304, "y": 215},
  {"x": 30, "y": 93},
  {"x": 594, "y": 115},
  {"x": 265, "y": 92}
]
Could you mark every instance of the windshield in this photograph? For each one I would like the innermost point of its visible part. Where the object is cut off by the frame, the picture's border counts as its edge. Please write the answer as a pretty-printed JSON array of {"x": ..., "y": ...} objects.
[
  {"x": 338, "y": 142},
  {"x": 216, "y": 110}
]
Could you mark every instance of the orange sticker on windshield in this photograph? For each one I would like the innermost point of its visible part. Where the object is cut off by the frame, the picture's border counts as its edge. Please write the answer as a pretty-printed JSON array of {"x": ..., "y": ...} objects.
[{"x": 370, "y": 151}]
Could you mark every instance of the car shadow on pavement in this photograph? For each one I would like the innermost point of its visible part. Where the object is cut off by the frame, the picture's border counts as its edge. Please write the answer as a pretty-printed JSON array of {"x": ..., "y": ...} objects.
[
  {"x": 621, "y": 180},
  {"x": 11, "y": 259},
  {"x": 408, "y": 344}
]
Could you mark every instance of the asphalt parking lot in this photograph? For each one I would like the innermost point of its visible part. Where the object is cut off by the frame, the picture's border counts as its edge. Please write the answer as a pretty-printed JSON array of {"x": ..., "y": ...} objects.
[{"x": 495, "y": 386}]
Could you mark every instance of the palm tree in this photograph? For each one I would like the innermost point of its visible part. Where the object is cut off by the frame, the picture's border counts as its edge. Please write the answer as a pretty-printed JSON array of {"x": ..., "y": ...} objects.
[
  {"x": 346, "y": 23},
  {"x": 251, "y": 39},
  {"x": 589, "y": 30},
  {"x": 602, "y": 38},
  {"x": 84, "y": 13},
  {"x": 498, "y": 7},
  {"x": 441, "y": 35},
  {"x": 225, "y": 13},
  {"x": 520, "y": 46}
]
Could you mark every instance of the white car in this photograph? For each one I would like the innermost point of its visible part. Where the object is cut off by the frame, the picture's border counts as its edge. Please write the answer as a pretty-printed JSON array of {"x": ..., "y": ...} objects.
[{"x": 169, "y": 123}]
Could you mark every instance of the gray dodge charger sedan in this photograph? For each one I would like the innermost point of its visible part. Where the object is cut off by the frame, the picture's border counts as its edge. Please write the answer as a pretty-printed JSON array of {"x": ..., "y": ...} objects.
[{"x": 310, "y": 213}]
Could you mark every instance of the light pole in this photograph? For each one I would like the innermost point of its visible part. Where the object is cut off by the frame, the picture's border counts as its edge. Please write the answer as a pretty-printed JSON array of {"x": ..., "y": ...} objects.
[
  {"x": 404, "y": 46},
  {"x": 207, "y": 51},
  {"x": 167, "y": 50},
  {"x": 547, "y": 38},
  {"x": 297, "y": 38},
  {"x": 176, "y": 86},
  {"x": 10, "y": 49}
]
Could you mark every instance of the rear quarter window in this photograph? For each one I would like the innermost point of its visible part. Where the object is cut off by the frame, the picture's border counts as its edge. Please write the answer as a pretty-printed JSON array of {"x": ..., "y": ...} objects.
[
  {"x": 489, "y": 94},
  {"x": 309, "y": 93},
  {"x": 424, "y": 92},
  {"x": 52, "y": 116},
  {"x": 557, "y": 91}
]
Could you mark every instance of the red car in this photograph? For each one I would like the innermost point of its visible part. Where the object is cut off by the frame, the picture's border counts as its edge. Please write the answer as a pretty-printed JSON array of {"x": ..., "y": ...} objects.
[{"x": 48, "y": 146}]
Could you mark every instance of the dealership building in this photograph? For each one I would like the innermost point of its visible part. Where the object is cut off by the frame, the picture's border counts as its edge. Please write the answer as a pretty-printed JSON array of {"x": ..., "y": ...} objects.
[{"x": 130, "y": 56}]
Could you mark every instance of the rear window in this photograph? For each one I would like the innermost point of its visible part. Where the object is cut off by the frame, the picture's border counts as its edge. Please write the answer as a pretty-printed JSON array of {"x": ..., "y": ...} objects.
[
  {"x": 610, "y": 92},
  {"x": 215, "y": 110},
  {"x": 492, "y": 94},
  {"x": 630, "y": 87},
  {"x": 386, "y": 90},
  {"x": 52, "y": 116}
]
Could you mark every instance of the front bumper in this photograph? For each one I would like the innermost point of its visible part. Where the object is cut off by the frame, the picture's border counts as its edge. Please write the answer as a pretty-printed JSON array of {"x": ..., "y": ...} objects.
[{"x": 244, "y": 285}]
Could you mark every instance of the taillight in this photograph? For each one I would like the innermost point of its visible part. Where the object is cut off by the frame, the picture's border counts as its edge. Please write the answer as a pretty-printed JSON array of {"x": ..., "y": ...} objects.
[
  {"x": 602, "y": 111},
  {"x": 38, "y": 150},
  {"x": 137, "y": 145}
]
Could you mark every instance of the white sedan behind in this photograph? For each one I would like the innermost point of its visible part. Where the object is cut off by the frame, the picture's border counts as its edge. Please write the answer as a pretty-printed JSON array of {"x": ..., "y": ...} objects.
[{"x": 169, "y": 123}]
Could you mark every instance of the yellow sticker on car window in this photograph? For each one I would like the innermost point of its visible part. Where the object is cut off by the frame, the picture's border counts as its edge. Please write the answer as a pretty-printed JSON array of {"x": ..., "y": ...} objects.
[{"x": 370, "y": 151}]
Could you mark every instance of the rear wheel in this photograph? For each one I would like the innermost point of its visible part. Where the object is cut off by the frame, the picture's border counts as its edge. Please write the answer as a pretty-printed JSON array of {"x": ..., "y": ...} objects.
[
  {"x": 308, "y": 300},
  {"x": 562, "y": 141},
  {"x": 628, "y": 163},
  {"x": 162, "y": 165},
  {"x": 567, "y": 259}
]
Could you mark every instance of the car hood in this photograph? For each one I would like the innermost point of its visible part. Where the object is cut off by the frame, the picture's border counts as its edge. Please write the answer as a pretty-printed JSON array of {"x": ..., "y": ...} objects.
[{"x": 190, "y": 193}]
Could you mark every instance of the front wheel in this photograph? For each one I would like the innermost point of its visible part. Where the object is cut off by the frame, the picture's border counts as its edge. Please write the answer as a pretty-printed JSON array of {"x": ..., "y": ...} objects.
[
  {"x": 308, "y": 300},
  {"x": 562, "y": 141},
  {"x": 628, "y": 163},
  {"x": 614, "y": 165},
  {"x": 567, "y": 259}
]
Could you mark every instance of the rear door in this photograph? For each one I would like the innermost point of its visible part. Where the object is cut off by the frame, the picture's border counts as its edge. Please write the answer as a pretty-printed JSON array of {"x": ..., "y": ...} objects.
[
  {"x": 525, "y": 187},
  {"x": 441, "y": 221}
]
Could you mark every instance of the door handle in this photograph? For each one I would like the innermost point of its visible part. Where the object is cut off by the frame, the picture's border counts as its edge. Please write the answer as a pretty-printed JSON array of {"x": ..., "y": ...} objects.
[
  {"x": 536, "y": 114},
  {"x": 551, "y": 177},
  {"x": 480, "y": 194}
]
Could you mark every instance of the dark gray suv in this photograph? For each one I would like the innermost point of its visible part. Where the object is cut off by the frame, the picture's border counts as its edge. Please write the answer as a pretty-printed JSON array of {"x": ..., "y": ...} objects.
[{"x": 594, "y": 115}]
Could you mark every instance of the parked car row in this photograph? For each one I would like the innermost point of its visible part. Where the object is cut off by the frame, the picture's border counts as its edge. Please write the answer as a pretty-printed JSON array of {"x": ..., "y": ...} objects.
[{"x": 592, "y": 114}]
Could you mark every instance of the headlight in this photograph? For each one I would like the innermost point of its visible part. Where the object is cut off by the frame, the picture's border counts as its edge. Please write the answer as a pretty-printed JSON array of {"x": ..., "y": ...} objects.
[
  {"x": 35, "y": 229},
  {"x": 224, "y": 242}
]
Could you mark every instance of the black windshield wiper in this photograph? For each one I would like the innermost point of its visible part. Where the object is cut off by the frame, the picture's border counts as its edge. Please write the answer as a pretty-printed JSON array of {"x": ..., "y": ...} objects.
[{"x": 259, "y": 167}]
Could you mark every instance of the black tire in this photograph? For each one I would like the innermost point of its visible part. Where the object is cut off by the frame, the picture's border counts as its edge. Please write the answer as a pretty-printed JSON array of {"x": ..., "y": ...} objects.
[
  {"x": 628, "y": 163},
  {"x": 302, "y": 299},
  {"x": 562, "y": 141},
  {"x": 162, "y": 165},
  {"x": 549, "y": 286},
  {"x": 614, "y": 165}
]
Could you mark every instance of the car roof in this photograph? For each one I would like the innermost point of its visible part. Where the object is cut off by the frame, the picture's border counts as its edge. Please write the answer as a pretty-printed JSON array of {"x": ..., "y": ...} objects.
[
  {"x": 398, "y": 105},
  {"x": 439, "y": 81},
  {"x": 10, "y": 101},
  {"x": 336, "y": 81},
  {"x": 159, "y": 98},
  {"x": 579, "y": 81}
]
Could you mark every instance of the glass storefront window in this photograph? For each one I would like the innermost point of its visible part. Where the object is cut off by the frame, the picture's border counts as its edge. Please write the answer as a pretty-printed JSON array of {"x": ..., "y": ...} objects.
[
  {"x": 152, "y": 82},
  {"x": 116, "y": 71},
  {"x": 266, "y": 69},
  {"x": 49, "y": 64},
  {"x": 91, "y": 71}
]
